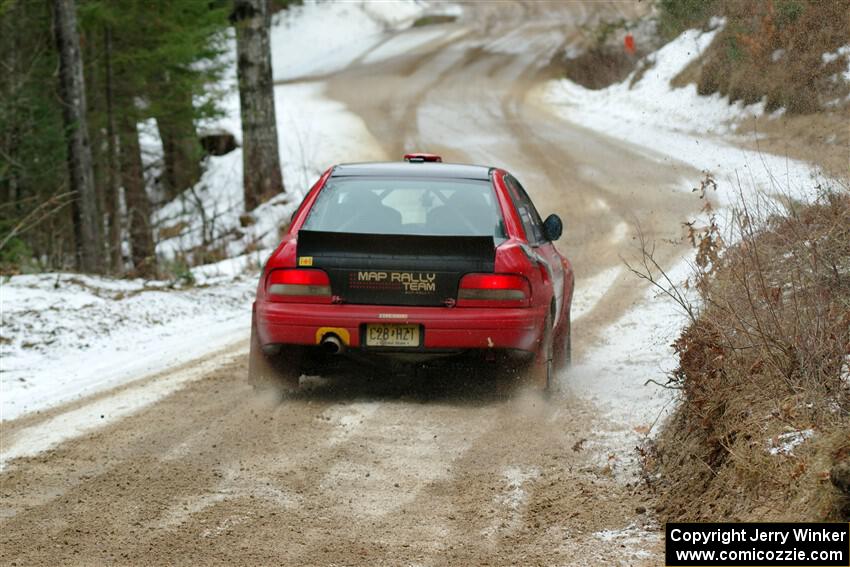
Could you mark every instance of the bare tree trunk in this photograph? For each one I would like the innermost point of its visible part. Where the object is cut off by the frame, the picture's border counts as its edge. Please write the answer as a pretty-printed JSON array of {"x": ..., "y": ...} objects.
[
  {"x": 260, "y": 159},
  {"x": 138, "y": 205},
  {"x": 86, "y": 220},
  {"x": 113, "y": 203},
  {"x": 91, "y": 48}
]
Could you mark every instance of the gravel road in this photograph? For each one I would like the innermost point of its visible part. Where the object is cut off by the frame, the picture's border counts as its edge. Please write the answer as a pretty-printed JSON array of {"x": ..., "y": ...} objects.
[{"x": 427, "y": 470}]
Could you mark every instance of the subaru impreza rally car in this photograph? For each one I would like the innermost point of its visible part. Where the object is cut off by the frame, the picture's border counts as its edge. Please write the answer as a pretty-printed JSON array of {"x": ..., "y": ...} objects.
[{"x": 412, "y": 261}]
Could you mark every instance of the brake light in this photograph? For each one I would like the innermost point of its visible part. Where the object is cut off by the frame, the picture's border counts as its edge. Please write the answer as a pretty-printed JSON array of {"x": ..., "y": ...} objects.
[
  {"x": 305, "y": 286},
  {"x": 493, "y": 290}
]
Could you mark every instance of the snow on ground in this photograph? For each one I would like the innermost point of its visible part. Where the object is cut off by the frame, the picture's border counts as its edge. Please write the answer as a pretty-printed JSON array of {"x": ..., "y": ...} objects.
[
  {"x": 64, "y": 336},
  {"x": 636, "y": 349},
  {"x": 511, "y": 501},
  {"x": 328, "y": 36},
  {"x": 77, "y": 421},
  {"x": 636, "y": 538},
  {"x": 592, "y": 290},
  {"x": 843, "y": 51},
  {"x": 621, "y": 376},
  {"x": 678, "y": 125}
]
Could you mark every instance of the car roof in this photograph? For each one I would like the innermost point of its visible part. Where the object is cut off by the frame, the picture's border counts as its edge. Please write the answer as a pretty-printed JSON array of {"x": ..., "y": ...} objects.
[{"x": 408, "y": 169}]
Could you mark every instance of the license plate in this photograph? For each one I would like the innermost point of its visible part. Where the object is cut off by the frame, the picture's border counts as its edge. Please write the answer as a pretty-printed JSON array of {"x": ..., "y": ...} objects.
[{"x": 392, "y": 335}]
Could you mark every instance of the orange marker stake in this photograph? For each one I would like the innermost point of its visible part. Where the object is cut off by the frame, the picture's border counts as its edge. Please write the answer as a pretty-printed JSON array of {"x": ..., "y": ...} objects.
[{"x": 629, "y": 43}]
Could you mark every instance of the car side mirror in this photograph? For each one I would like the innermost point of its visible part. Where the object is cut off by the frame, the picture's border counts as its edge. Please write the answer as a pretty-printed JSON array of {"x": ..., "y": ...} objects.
[{"x": 553, "y": 227}]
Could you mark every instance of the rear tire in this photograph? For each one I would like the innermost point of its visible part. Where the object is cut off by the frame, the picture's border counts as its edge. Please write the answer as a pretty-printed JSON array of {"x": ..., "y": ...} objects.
[{"x": 281, "y": 371}]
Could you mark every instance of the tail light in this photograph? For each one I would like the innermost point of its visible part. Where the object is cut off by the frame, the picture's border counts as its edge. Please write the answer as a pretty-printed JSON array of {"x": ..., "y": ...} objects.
[
  {"x": 493, "y": 290},
  {"x": 303, "y": 286}
]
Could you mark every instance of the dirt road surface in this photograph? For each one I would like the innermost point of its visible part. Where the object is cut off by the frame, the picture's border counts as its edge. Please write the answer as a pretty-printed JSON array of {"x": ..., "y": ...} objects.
[{"x": 434, "y": 470}]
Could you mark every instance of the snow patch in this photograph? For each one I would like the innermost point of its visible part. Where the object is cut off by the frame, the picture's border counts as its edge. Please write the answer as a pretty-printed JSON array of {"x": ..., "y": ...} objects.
[
  {"x": 652, "y": 100},
  {"x": 347, "y": 420},
  {"x": 410, "y": 41},
  {"x": 512, "y": 501},
  {"x": 621, "y": 231},
  {"x": 515, "y": 477},
  {"x": 785, "y": 443},
  {"x": 234, "y": 485},
  {"x": 843, "y": 51},
  {"x": 631, "y": 536}
]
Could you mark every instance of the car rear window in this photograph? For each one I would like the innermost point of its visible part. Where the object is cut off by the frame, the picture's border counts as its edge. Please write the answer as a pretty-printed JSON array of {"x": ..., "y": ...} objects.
[{"x": 456, "y": 207}]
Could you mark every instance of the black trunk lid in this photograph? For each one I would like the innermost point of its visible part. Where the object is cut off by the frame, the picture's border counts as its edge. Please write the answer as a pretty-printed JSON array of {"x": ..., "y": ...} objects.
[{"x": 388, "y": 269}]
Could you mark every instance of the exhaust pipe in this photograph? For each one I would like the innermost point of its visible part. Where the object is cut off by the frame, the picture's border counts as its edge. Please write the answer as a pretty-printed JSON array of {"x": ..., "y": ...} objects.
[
  {"x": 271, "y": 349},
  {"x": 332, "y": 345}
]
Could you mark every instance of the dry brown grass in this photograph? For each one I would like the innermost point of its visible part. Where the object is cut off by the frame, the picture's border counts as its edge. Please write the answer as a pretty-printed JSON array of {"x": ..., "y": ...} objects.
[
  {"x": 772, "y": 49},
  {"x": 599, "y": 66},
  {"x": 766, "y": 355}
]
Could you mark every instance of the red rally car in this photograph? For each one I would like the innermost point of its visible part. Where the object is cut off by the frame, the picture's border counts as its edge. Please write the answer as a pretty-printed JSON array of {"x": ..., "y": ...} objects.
[{"x": 413, "y": 261}]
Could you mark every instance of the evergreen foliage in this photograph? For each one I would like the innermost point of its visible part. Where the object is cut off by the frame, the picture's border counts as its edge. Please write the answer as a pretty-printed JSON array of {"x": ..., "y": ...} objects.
[{"x": 142, "y": 59}]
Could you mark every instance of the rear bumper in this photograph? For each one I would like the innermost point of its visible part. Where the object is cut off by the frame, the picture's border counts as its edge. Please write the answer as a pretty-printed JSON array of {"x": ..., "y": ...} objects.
[{"x": 444, "y": 328}]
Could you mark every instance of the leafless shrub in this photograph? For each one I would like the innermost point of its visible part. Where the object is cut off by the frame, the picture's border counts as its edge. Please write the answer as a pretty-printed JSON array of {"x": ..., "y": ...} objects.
[{"x": 764, "y": 354}]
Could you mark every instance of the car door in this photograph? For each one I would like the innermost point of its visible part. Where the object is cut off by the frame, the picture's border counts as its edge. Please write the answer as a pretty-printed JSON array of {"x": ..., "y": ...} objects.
[{"x": 540, "y": 249}]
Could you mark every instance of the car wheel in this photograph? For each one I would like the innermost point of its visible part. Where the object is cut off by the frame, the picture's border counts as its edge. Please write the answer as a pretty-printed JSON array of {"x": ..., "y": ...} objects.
[
  {"x": 280, "y": 371},
  {"x": 563, "y": 345},
  {"x": 542, "y": 368}
]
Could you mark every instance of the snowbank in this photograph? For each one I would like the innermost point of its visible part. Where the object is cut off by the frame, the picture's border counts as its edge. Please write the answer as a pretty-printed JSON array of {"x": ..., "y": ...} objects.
[
  {"x": 678, "y": 125},
  {"x": 63, "y": 336}
]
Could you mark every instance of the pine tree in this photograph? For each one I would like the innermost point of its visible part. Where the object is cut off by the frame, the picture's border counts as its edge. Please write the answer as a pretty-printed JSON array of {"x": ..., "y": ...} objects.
[
  {"x": 33, "y": 146},
  {"x": 151, "y": 54},
  {"x": 141, "y": 59}
]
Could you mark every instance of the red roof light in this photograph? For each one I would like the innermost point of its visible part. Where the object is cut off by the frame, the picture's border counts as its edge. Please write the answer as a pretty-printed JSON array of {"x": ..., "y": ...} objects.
[{"x": 420, "y": 158}]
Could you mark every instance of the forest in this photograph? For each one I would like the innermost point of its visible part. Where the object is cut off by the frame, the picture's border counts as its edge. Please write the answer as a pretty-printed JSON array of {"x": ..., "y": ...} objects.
[{"x": 77, "y": 191}]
